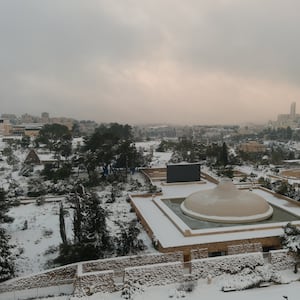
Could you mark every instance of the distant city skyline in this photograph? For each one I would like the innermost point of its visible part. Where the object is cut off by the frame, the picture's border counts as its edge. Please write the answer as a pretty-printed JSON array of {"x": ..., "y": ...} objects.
[
  {"x": 292, "y": 115},
  {"x": 150, "y": 62}
]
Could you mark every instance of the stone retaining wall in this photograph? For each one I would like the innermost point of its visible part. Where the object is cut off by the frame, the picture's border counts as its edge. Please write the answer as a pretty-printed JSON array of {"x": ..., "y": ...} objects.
[
  {"x": 225, "y": 264},
  {"x": 119, "y": 264},
  {"x": 89, "y": 283},
  {"x": 147, "y": 271},
  {"x": 282, "y": 260},
  {"x": 199, "y": 253},
  {"x": 244, "y": 248},
  {"x": 59, "y": 276},
  {"x": 297, "y": 203},
  {"x": 151, "y": 275}
]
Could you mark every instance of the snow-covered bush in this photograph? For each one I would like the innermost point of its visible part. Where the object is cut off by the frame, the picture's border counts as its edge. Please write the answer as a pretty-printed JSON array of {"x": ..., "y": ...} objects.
[
  {"x": 61, "y": 187},
  {"x": 291, "y": 238},
  {"x": 187, "y": 286},
  {"x": 36, "y": 188},
  {"x": 26, "y": 170},
  {"x": 51, "y": 250},
  {"x": 248, "y": 278},
  {"x": 128, "y": 241},
  {"x": 47, "y": 233},
  {"x": 130, "y": 289}
]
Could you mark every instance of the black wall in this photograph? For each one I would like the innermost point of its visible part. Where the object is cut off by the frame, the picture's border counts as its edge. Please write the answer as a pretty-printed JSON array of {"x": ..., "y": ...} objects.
[{"x": 183, "y": 173}]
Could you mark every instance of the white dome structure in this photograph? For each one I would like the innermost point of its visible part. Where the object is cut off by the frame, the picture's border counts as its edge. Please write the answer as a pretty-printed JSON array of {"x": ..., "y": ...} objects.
[{"x": 226, "y": 204}]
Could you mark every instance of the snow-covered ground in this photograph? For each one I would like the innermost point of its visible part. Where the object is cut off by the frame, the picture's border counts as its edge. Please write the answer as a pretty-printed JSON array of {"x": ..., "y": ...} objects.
[
  {"x": 203, "y": 290},
  {"x": 39, "y": 242},
  {"x": 159, "y": 159}
]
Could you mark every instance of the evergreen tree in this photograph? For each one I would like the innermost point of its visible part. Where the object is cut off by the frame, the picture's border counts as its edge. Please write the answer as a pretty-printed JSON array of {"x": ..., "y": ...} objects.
[
  {"x": 77, "y": 219},
  {"x": 291, "y": 241},
  {"x": 291, "y": 238},
  {"x": 289, "y": 133},
  {"x": 62, "y": 225},
  {"x": 94, "y": 229},
  {"x": 91, "y": 237},
  {"x": 6, "y": 259},
  {"x": 108, "y": 144},
  {"x": 4, "y": 207},
  {"x": 58, "y": 138},
  {"x": 50, "y": 134},
  {"x": 129, "y": 243},
  {"x": 224, "y": 154},
  {"x": 25, "y": 141}
]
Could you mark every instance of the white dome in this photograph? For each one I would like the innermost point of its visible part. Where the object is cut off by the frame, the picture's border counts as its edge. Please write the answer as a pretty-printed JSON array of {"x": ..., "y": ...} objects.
[{"x": 226, "y": 204}]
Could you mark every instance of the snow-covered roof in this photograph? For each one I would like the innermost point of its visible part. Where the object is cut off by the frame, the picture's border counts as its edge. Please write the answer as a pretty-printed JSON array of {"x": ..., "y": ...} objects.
[{"x": 170, "y": 235}]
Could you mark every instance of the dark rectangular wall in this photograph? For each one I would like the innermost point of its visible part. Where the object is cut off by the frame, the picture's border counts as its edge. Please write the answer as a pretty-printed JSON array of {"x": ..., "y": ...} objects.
[{"x": 183, "y": 173}]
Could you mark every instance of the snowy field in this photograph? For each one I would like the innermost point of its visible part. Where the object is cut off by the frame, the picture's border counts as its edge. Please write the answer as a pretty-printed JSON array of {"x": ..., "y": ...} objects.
[
  {"x": 39, "y": 243},
  {"x": 212, "y": 292},
  {"x": 203, "y": 291}
]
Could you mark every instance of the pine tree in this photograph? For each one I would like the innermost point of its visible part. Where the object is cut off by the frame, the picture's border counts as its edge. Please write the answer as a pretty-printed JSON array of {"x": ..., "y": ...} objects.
[
  {"x": 224, "y": 154},
  {"x": 77, "y": 219},
  {"x": 6, "y": 259},
  {"x": 62, "y": 225},
  {"x": 94, "y": 228},
  {"x": 291, "y": 238},
  {"x": 91, "y": 237},
  {"x": 129, "y": 243},
  {"x": 4, "y": 207}
]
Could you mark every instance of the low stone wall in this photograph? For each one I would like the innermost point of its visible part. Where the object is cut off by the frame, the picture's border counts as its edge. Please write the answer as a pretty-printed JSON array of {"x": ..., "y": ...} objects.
[
  {"x": 244, "y": 248},
  {"x": 209, "y": 178},
  {"x": 151, "y": 275},
  {"x": 119, "y": 264},
  {"x": 281, "y": 259},
  {"x": 199, "y": 253},
  {"x": 148, "y": 270},
  {"x": 225, "y": 264},
  {"x": 297, "y": 203},
  {"x": 90, "y": 283},
  {"x": 59, "y": 276},
  {"x": 154, "y": 174}
]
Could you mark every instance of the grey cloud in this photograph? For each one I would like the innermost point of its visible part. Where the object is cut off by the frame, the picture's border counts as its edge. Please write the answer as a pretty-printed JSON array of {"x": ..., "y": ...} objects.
[
  {"x": 248, "y": 38},
  {"x": 89, "y": 55},
  {"x": 41, "y": 35}
]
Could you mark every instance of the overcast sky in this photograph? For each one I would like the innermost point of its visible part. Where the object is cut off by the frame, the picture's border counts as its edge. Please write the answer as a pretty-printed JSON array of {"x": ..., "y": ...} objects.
[{"x": 150, "y": 61}]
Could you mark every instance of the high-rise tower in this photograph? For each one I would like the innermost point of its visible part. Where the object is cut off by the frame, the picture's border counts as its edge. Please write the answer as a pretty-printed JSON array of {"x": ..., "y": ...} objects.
[{"x": 293, "y": 111}]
